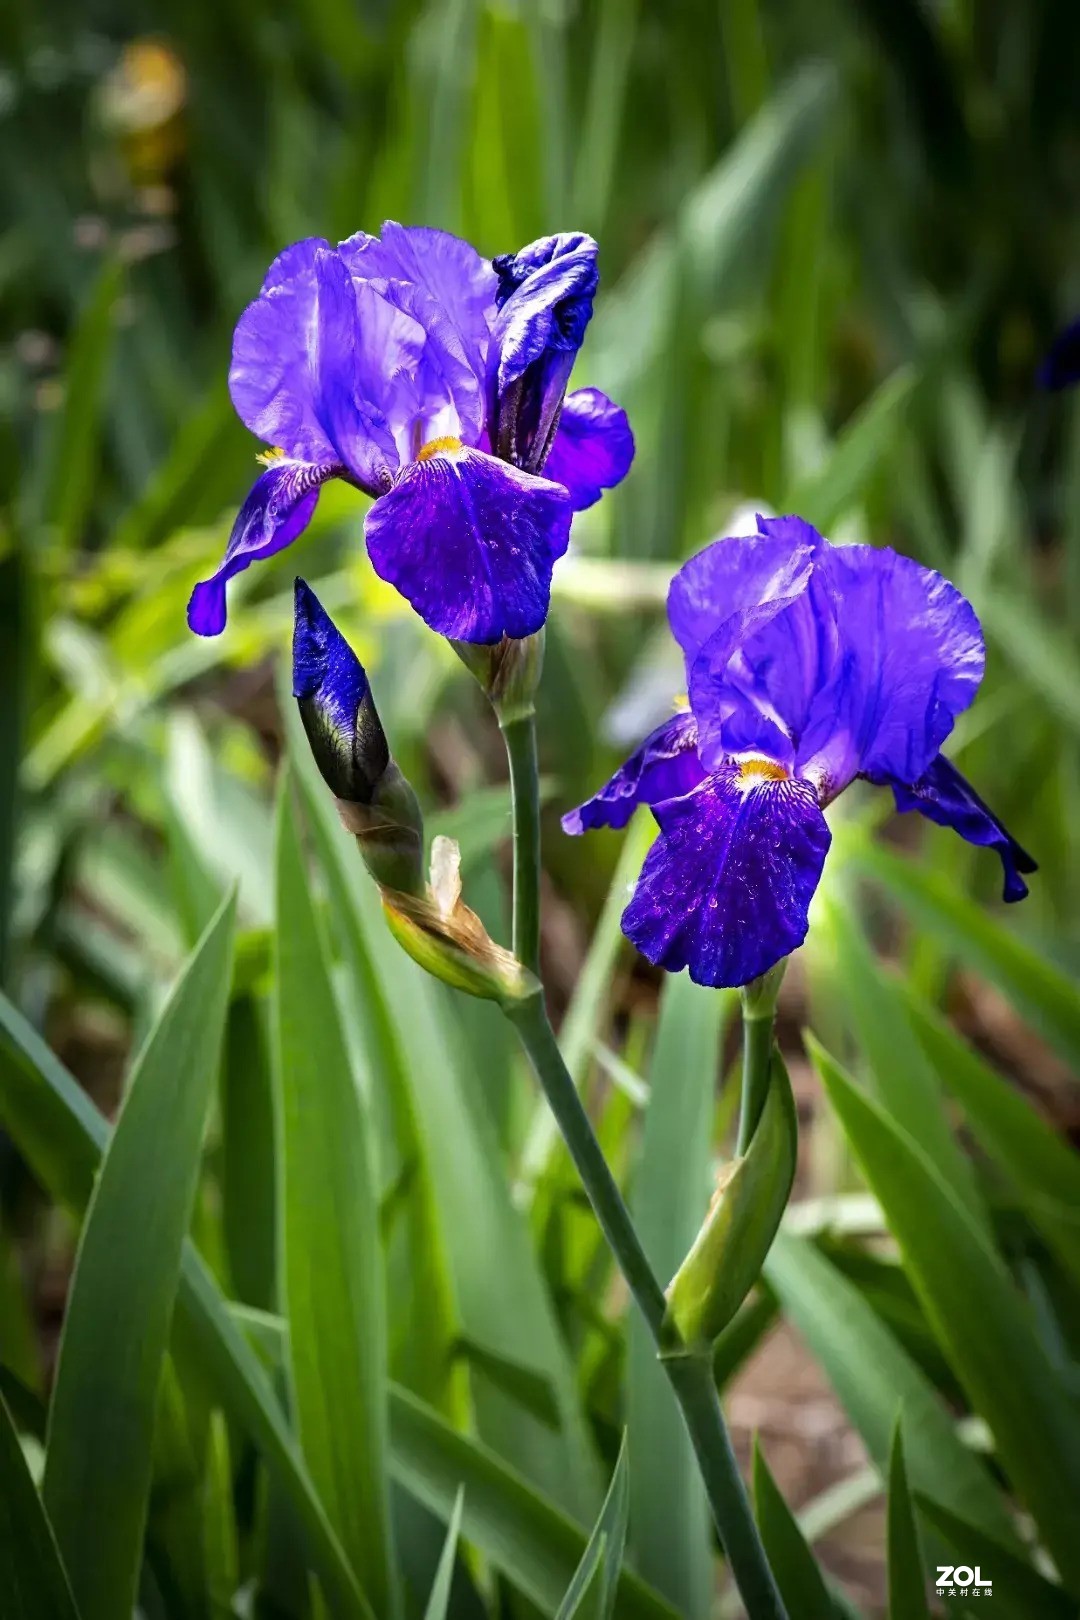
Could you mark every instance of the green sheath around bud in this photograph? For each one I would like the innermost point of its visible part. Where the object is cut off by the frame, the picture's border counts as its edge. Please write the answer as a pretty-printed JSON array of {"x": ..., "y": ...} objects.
[
  {"x": 507, "y": 670},
  {"x": 375, "y": 802},
  {"x": 729, "y": 1251}
]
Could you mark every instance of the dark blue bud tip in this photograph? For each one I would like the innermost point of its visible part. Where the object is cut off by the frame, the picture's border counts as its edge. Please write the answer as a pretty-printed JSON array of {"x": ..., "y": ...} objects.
[{"x": 324, "y": 665}]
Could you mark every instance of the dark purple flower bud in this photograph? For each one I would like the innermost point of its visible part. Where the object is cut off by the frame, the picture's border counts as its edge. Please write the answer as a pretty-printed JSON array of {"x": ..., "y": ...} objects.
[
  {"x": 544, "y": 301},
  {"x": 349, "y": 746}
]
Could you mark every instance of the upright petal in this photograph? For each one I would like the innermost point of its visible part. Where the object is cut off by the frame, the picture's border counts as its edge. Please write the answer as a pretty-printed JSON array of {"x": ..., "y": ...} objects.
[
  {"x": 665, "y": 766},
  {"x": 545, "y": 300},
  {"x": 726, "y": 887},
  {"x": 349, "y": 400},
  {"x": 278, "y": 508},
  {"x": 734, "y": 576},
  {"x": 910, "y": 660},
  {"x": 271, "y": 379},
  {"x": 471, "y": 542},
  {"x": 592, "y": 449},
  {"x": 462, "y": 283},
  {"x": 944, "y": 796}
]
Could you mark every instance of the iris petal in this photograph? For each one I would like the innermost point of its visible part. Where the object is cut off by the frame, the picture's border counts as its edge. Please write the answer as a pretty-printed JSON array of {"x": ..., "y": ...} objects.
[
  {"x": 944, "y": 796},
  {"x": 726, "y": 887},
  {"x": 730, "y": 580},
  {"x": 665, "y": 766},
  {"x": 910, "y": 660},
  {"x": 471, "y": 543},
  {"x": 270, "y": 377},
  {"x": 278, "y": 508},
  {"x": 1061, "y": 367},
  {"x": 357, "y": 429},
  {"x": 592, "y": 449},
  {"x": 545, "y": 301}
]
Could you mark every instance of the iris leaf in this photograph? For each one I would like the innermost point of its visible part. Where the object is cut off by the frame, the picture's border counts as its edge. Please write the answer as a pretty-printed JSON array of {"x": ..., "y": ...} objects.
[
  {"x": 978, "y": 1315},
  {"x": 32, "y": 1578},
  {"x": 669, "y": 1511},
  {"x": 1018, "y": 1586},
  {"x": 907, "y": 1579},
  {"x": 117, "y": 1324},
  {"x": 331, "y": 1260},
  {"x": 801, "y": 1584},
  {"x": 601, "y": 1561}
]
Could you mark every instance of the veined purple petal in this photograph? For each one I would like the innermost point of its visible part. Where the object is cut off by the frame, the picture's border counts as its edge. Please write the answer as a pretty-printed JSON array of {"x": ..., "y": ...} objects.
[
  {"x": 592, "y": 449},
  {"x": 271, "y": 379},
  {"x": 471, "y": 542},
  {"x": 665, "y": 766},
  {"x": 726, "y": 887},
  {"x": 910, "y": 660},
  {"x": 357, "y": 429},
  {"x": 545, "y": 299},
  {"x": 735, "y": 576},
  {"x": 450, "y": 271},
  {"x": 944, "y": 796},
  {"x": 1061, "y": 367},
  {"x": 278, "y": 508}
]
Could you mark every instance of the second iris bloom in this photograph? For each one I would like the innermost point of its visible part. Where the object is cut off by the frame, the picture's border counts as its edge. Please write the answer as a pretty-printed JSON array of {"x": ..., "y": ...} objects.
[{"x": 435, "y": 381}]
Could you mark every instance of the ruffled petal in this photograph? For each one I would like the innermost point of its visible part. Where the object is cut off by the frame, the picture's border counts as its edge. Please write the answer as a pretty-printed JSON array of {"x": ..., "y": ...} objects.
[
  {"x": 592, "y": 449},
  {"x": 450, "y": 271},
  {"x": 271, "y": 380},
  {"x": 665, "y": 766},
  {"x": 910, "y": 660},
  {"x": 726, "y": 888},
  {"x": 944, "y": 796},
  {"x": 545, "y": 300},
  {"x": 278, "y": 508},
  {"x": 471, "y": 543},
  {"x": 1061, "y": 367},
  {"x": 735, "y": 576},
  {"x": 356, "y": 428}
]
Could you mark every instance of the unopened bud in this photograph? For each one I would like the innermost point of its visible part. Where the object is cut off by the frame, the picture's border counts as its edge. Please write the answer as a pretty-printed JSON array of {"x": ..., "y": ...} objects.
[
  {"x": 507, "y": 670},
  {"x": 729, "y": 1251},
  {"x": 375, "y": 801}
]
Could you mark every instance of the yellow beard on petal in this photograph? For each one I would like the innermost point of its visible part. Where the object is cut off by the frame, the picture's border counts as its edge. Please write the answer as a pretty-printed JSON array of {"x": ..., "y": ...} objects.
[
  {"x": 438, "y": 447},
  {"x": 765, "y": 768},
  {"x": 268, "y": 457}
]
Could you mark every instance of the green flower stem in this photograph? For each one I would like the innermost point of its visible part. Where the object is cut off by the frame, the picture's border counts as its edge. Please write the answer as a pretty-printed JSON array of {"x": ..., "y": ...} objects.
[
  {"x": 519, "y": 732},
  {"x": 690, "y": 1375},
  {"x": 757, "y": 1034}
]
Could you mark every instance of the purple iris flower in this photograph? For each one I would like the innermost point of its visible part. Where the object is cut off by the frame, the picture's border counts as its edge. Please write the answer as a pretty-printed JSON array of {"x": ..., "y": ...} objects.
[
  {"x": 807, "y": 665},
  {"x": 434, "y": 381}
]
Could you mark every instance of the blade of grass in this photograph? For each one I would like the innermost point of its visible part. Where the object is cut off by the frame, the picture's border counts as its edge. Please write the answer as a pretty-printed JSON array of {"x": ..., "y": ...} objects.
[
  {"x": 32, "y": 1579},
  {"x": 601, "y": 1561},
  {"x": 438, "y": 1603},
  {"x": 124, "y": 1286},
  {"x": 907, "y": 1580},
  {"x": 794, "y": 1565},
  {"x": 335, "y": 1307}
]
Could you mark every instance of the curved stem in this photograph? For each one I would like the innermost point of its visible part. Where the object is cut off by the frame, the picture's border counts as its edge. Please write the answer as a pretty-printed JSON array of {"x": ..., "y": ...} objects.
[
  {"x": 690, "y": 1376},
  {"x": 519, "y": 732}
]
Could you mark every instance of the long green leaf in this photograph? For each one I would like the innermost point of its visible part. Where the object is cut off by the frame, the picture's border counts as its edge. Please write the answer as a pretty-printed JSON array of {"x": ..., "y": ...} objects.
[
  {"x": 1043, "y": 1168},
  {"x": 826, "y": 494},
  {"x": 1018, "y": 1587},
  {"x": 438, "y": 1603},
  {"x": 63, "y": 1136},
  {"x": 33, "y": 1584},
  {"x": 331, "y": 1262},
  {"x": 907, "y": 1580},
  {"x": 669, "y": 1511},
  {"x": 601, "y": 1561},
  {"x": 1040, "y": 990},
  {"x": 801, "y": 1583},
  {"x": 873, "y": 1375},
  {"x": 122, "y": 1294},
  {"x": 981, "y": 1320}
]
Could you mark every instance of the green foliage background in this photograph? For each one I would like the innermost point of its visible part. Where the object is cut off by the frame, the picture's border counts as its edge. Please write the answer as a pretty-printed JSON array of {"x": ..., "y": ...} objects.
[{"x": 835, "y": 242}]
